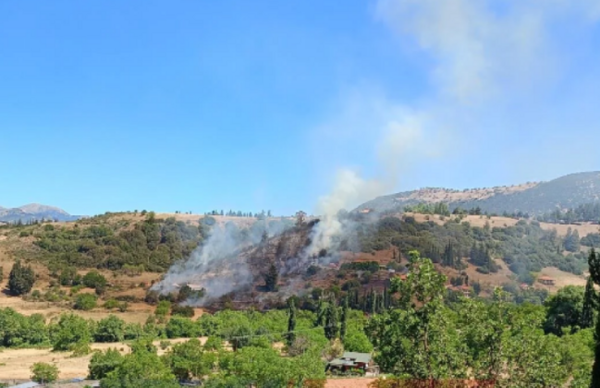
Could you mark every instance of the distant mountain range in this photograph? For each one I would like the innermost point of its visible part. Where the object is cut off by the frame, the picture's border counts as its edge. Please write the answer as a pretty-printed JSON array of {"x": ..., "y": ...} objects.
[
  {"x": 566, "y": 192},
  {"x": 34, "y": 211}
]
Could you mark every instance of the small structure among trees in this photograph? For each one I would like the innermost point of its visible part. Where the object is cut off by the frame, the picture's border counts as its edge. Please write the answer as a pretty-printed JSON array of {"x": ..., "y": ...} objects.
[
  {"x": 546, "y": 280},
  {"x": 352, "y": 361}
]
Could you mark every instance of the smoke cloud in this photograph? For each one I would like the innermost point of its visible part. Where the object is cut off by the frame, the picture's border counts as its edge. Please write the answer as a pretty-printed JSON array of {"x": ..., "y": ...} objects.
[
  {"x": 483, "y": 52},
  {"x": 215, "y": 265}
]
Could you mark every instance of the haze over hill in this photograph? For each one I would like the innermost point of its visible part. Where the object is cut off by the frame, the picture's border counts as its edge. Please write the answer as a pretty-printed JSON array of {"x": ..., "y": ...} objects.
[
  {"x": 565, "y": 192},
  {"x": 34, "y": 211}
]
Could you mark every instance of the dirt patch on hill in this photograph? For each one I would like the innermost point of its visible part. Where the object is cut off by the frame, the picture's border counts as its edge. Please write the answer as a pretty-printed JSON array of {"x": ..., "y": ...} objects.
[
  {"x": 359, "y": 382},
  {"x": 583, "y": 228},
  {"x": 434, "y": 195}
]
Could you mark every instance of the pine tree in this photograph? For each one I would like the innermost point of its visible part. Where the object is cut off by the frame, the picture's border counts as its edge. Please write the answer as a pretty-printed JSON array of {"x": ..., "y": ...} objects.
[
  {"x": 291, "y": 336},
  {"x": 589, "y": 304},
  {"x": 20, "y": 279},
  {"x": 344, "y": 319}
]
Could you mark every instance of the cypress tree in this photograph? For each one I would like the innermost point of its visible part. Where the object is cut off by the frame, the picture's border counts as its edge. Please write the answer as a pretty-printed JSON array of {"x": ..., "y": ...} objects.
[
  {"x": 291, "y": 336},
  {"x": 373, "y": 302},
  {"x": 589, "y": 304},
  {"x": 331, "y": 322},
  {"x": 344, "y": 319},
  {"x": 321, "y": 310}
]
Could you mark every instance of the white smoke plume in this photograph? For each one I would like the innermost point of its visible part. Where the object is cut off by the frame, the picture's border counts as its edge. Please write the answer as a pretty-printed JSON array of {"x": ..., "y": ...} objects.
[
  {"x": 215, "y": 265},
  {"x": 484, "y": 51}
]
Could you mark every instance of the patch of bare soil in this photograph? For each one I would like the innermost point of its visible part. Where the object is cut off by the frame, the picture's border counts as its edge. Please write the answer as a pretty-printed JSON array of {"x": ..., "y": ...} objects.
[
  {"x": 447, "y": 195},
  {"x": 583, "y": 228},
  {"x": 357, "y": 382}
]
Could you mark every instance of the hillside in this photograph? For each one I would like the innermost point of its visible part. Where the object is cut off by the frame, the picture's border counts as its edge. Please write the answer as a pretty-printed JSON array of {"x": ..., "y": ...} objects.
[
  {"x": 33, "y": 212},
  {"x": 237, "y": 254},
  {"x": 565, "y": 192}
]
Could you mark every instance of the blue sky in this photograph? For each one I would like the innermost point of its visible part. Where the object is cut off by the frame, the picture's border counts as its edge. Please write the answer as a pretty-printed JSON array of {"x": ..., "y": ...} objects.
[{"x": 187, "y": 105}]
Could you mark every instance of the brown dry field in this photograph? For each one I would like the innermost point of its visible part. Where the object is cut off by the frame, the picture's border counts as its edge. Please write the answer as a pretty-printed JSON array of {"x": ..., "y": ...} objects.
[
  {"x": 434, "y": 195},
  {"x": 584, "y": 229},
  {"x": 16, "y": 363}
]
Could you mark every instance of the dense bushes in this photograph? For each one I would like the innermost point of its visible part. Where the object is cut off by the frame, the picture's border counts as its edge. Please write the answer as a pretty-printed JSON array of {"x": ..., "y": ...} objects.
[
  {"x": 368, "y": 266},
  {"x": 152, "y": 244},
  {"x": 523, "y": 247}
]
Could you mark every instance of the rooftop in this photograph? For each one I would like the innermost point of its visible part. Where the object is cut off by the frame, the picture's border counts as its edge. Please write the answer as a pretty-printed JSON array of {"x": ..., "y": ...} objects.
[{"x": 351, "y": 358}]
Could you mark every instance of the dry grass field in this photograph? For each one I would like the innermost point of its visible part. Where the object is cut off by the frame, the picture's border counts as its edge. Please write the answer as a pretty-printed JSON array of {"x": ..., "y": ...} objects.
[{"x": 15, "y": 364}]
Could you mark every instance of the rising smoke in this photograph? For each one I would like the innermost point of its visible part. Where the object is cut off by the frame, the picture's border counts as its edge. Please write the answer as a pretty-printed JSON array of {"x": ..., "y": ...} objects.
[
  {"x": 215, "y": 265},
  {"x": 484, "y": 52}
]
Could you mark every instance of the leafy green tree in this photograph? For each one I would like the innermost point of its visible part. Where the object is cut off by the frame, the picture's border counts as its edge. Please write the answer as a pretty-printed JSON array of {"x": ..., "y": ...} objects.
[
  {"x": 182, "y": 327},
  {"x": 589, "y": 305},
  {"x": 102, "y": 363},
  {"x": 188, "y": 359},
  {"x": 141, "y": 368},
  {"x": 43, "y": 373},
  {"x": 418, "y": 339},
  {"x": 20, "y": 279},
  {"x": 69, "y": 331},
  {"x": 357, "y": 341},
  {"x": 291, "y": 335},
  {"x": 110, "y": 329},
  {"x": 85, "y": 302},
  {"x": 564, "y": 310},
  {"x": 163, "y": 308},
  {"x": 213, "y": 343}
]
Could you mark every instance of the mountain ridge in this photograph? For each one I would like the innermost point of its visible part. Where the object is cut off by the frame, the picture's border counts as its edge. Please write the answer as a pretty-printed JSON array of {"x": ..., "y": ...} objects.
[
  {"x": 34, "y": 212},
  {"x": 564, "y": 192}
]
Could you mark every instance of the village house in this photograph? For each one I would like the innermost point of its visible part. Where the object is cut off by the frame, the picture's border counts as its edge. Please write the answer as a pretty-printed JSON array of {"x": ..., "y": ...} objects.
[
  {"x": 546, "y": 280},
  {"x": 354, "y": 361}
]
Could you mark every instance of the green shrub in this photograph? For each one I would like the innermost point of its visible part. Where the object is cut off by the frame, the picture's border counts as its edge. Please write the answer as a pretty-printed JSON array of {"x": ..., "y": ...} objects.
[
  {"x": 163, "y": 308},
  {"x": 85, "y": 302},
  {"x": 94, "y": 279},
  {"x": 111, "y": 304},
  {"x": 110, "y": 329},
  {"x": 44, "y": 373},
  {"x": 184, "y": 311}
]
